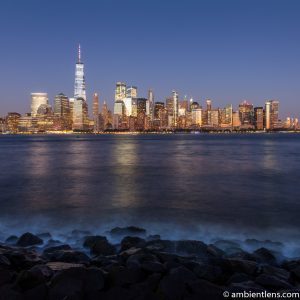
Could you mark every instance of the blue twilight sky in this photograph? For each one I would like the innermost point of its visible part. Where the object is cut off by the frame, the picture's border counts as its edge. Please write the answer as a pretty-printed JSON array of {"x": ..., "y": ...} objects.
[{"x": 226, "y": 50}]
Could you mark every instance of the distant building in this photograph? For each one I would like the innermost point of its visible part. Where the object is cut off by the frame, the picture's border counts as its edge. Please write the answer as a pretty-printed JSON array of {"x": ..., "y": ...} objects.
[
  {"x": 246, "y": 113},
  {"x": 236, "y": 122},
  {"x": 271, "y": 114},
  {"x": 197, "y": 117},
  {"x": 12, "y": 122},
  {"x": 96, "y": 111},
  {"x": 131, "y": 92},
  {"x": 38, "y": 99},
  {"x": 259, "y": 118},
  {"x": 79, "y": 88},
  {"x": 120, "y": 91}
]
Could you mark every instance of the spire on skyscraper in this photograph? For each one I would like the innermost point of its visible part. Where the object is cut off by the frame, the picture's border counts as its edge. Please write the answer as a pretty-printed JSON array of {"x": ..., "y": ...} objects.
[{"x": 79, "y": 54}]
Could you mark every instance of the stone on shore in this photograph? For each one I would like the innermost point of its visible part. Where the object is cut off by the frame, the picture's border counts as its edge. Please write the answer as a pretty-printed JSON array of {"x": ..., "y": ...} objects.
[{"x": 28, "y": 239}]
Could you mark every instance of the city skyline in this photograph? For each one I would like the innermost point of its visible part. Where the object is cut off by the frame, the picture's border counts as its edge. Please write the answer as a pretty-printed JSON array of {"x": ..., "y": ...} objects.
[{"x": 227, "y": 52}]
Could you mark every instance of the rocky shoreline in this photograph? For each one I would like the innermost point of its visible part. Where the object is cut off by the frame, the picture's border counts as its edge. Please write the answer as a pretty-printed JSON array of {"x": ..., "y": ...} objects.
[{"x": 139, "y": 266}]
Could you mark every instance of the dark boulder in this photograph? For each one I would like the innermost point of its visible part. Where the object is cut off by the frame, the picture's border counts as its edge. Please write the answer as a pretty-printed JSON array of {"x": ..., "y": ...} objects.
[
  {"x": 6, "y": 276},
  {"x": 238, "y": 277},
  {"x": 76, "y": 283},
  {"x": 99, "y": 245},
  {"x": 39, "y": 292},
  {"x": 208, "y": 272},
  {"x": 253, "y": 244},
  {"x": 277, "y": 272},
  {"x": 202, "y": 289},
  {"x": 4, "y": 261},
  {"x": 7, "y": 293},
  {"x": 121, "y": 276},
  {"x": 28, "y": 239},
  {"x": 132, "y": 241},
  {"x": 49, "y": 251},
  {"x": 239, "y": 266},
  {"x": 11, "y": 240},
  {"x": 266, "y": 256},
  {"x": 69, "y": 256},
  {"x": 162, "y": 245},
  {"x": 272, "y": 283},
  {"x": 247, "y": 286},
  {"x": 173, "y": 285}
]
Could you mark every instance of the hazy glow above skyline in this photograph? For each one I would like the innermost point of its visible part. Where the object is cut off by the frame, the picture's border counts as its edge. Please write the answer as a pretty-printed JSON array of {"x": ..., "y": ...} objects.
[{"x": 224, "y": 50}]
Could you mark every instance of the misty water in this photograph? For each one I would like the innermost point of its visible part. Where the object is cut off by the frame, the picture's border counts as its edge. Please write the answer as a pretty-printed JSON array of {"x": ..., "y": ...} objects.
[{"x": 205, "y": 186}]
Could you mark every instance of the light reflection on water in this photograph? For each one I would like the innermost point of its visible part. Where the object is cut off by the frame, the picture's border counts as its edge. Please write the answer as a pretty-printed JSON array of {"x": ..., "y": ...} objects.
[{"x": 237, "y": 184}]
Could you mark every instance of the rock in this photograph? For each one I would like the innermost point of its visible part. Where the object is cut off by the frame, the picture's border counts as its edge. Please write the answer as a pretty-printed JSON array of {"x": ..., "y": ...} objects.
[
  {"x": 208, "y": 272},
  {"x": 99, "y": 245},
  {"x": 277, "y": 272},
  {"x": 6, "y": 276},
  {"x": 227, "y": 245},
  {"x": 39, "y": 292},
  {"x": 238, "y": 277},
  {"x": 27, "y": 280},
  {"x": 50, "y": 250},
  {"x": 212, "y": 250},
  {"x": 121, "y": 276},
  {"x": 69, "y": 256},
  {"x": 11, "y": 240},
  {"x": 296, "y": 272},
  {"x": 173, "y": 285},
  {"x": 247, "y": 286},
  {"x": 7, "y": 293},
  {"x": 136, "y": 260},
  {"x": 76, "y": 282},
  {"x": 132, "y": 241},
  {"x": 191, "y": 247},
  {"x": 4, "y": 261},
  {"x": 29, "y": 239},
  {"x": 59, "y": 266},
  {"x": 266, "y": 256},
  {"x": 273, "y": 283},
  {"x": 153, "y": 267},
  {"x": 162, "y": 245},
  {"x": 153, "y": 237},
  {"x": 239, "y": 266},
  {"x": 43, "y": 272},
  {"x": 254, "y": 244},
  {"x": 128, "y": 231},
  {"x": 21, "y": 259},
  {"x": 202, "y": 289}
]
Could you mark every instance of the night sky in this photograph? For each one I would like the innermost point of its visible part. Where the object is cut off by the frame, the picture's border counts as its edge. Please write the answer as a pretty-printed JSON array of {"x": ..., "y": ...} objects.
[{"x": 228, "y": 51}]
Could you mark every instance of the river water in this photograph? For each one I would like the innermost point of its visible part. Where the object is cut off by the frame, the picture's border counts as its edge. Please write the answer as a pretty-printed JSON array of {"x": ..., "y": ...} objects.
[{"x": 179, "y": 185}]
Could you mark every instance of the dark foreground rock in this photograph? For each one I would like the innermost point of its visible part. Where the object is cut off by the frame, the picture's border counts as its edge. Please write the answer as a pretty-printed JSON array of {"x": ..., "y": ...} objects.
[{"x": 138, "y": 267}]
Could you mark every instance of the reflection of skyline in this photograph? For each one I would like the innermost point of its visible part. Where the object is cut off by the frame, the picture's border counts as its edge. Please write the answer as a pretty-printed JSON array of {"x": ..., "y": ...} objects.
[{"x": 125, "y": 158}]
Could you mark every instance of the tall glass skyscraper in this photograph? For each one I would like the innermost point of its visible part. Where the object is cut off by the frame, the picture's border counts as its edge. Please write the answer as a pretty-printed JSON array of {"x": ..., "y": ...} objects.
[{"x": 79, "y": 89}]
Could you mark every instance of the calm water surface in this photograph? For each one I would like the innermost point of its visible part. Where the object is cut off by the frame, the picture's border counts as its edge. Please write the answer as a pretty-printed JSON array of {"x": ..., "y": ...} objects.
[{"x": 193, "y": 186}]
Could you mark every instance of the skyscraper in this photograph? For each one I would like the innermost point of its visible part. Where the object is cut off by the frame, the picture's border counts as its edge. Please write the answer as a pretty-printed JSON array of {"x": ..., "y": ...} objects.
[
  {"x": 96, "y": 111},
  {"x": 271, "y": 114},
  {"x": 79, "y": 88},
  {"x": 259, "y": 118},
  {"x": 38, "y": 99},
  {"x": 80, "y": 107},
  {"x": 120, "y": 92},
  {"x": 175, "y": 108}
]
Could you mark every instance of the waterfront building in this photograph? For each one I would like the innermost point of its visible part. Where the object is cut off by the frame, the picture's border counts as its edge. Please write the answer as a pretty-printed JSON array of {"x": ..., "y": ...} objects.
[
  {"x": 150, "y": 105},
  {"x": 79, "y": 87},
  {"x": 175, "y": 108},
  {"x": 96, "y": 111},
  {"x": 62, "y": 112},
  {"x": 38, "y": 99},
  {"x": 120, "y": 91},
  {"x": 131, "y": 92},
  {"x": 158, "y": 106},
  {"x": 12, "y": 122},
  {"x": 271, "y": 114},
  {"x": 225, "y": 117},
  {"x": 197, "y": 117},
  {"x": 80, "y": 115},
  {"x": 141, "y": 113},
  {"x": 259, "y": 118},
  {"x": 246, "y": 113},
  {"x": 236, "y": 122}
]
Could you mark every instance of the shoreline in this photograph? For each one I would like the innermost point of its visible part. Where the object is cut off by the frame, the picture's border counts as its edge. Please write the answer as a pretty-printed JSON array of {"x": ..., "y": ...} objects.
[
  {"x": 193, "y": 132},
  {"x": 128, "y": 263}
]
